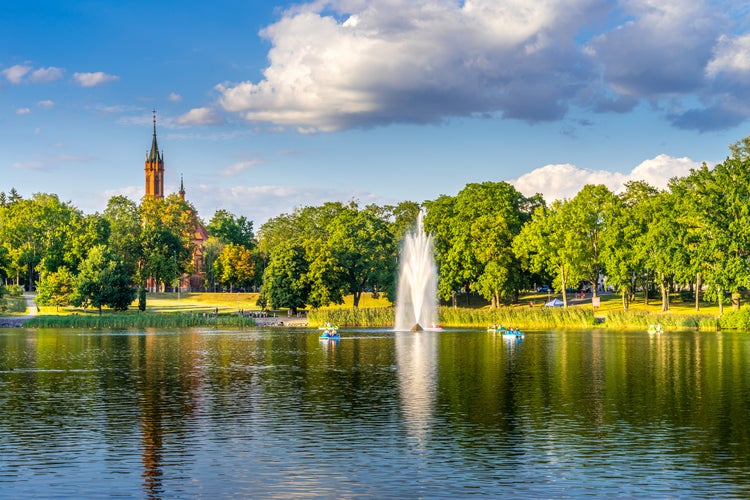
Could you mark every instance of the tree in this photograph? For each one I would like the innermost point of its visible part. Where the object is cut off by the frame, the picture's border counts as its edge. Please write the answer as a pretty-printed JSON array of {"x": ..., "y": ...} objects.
[
  {"x": 229, "y": 228},
  {"x": 167, "y": 230},
  {"x": 124, "y": 239},
  {"x": 589, "y": 214},
  {"x": 103, "y": 281},
  {"x": 56, "y": 288},
  {"x": 620, "y": 253},
  {"x": 284, "y": 280},
  {"x": 474, "y": 234},
  {"x": 549, "y": 243},
  {"x": 363, "y": 250},
  {"x": 235, "y": 265}
]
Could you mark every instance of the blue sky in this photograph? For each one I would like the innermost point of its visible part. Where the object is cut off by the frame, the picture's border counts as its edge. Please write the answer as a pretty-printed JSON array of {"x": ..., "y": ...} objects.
[{"x": 267, "y": 106}]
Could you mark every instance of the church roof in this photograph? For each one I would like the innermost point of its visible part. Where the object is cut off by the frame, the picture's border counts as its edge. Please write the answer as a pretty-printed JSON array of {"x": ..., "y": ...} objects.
[{"x": 154, "y": 155}]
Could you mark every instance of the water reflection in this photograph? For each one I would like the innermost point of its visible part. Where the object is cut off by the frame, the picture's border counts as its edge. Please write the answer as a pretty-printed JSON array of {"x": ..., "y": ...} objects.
[
  {"x": 431, "y": 414},
  {"x": 416, "y": 356}
]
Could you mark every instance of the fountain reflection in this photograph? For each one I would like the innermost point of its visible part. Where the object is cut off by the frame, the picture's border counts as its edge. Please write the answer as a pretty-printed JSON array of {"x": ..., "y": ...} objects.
[{"x": 416, "y": 358}]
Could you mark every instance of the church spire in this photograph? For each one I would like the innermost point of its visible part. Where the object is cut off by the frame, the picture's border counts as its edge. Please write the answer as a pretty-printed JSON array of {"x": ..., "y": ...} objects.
[
  {"x": 155, "y": 169},
  {"x": 154, "y": 153},
  {"x": 182, "y": 189}
]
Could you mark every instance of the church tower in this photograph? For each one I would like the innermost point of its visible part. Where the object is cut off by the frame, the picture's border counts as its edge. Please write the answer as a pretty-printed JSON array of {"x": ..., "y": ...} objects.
[{"x": 155, "y": 169}]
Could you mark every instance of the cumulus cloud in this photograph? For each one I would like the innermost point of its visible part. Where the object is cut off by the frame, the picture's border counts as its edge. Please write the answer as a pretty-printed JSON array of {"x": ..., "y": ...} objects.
[
  {"x": 241, "y": 166},
  {"x": 93, "y": 79},
  {"x": 564, "y": 181},
  {"x": 23, "y": 73},
  {"x": 23, "y": 111},
  {"x": 416, "y": 61},
  {"x": 15, "y": 74},
  {"x": 200, "y": 116},
  {"x": 174, "y": 97},
  {"x": 336, "y": 64},
  {"x": 44, "y": 75},
  {"x": 47, "y": 103}
]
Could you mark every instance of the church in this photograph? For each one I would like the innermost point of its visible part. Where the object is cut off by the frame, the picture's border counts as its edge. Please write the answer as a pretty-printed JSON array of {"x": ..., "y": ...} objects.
[{"x": 195, "y": 280}]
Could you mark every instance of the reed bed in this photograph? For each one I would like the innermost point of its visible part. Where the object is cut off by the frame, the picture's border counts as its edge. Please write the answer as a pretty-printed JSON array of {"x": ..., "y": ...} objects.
[
  {"x": 143, "y": 320},
  {"x": 363, "y": 317},
  {"x": 642, "y": 320},
  {"x": 539, "y": 317},
  {"x": 736, "y": 319}
]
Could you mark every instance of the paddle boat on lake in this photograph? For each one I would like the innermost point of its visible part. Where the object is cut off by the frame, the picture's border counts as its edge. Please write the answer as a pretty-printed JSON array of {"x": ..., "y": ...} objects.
[
  {"x": 330, "y": 332},
  {"x": 496, "y": 329},
  {"x": 513, "y": 334},
  {"x": 655, "y": 328}
]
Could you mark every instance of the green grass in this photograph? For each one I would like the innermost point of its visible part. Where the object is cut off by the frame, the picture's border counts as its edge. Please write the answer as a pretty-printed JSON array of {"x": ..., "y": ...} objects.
[
  {"x": 144, "y": 320},
  {"x": 13, "y": 305}
]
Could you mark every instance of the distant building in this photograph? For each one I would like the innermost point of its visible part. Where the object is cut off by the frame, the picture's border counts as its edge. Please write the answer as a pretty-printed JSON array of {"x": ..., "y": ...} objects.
[
  {"x": 155, "y": 169},
  {"x": 155, "y": 188}
]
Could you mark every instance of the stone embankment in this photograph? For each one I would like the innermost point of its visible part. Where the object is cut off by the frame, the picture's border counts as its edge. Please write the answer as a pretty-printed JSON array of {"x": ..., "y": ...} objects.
[
  {"x": 292, "y": 322},
  {"x": 14, "y": 322}
]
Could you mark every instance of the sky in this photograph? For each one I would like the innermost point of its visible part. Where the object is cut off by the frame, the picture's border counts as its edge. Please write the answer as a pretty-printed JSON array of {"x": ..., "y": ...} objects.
[{"x": 264, "y": 107}]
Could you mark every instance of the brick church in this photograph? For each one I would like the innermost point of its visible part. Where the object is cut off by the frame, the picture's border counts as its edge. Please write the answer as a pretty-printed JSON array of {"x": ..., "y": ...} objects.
[{"x": 155, "y": 188}]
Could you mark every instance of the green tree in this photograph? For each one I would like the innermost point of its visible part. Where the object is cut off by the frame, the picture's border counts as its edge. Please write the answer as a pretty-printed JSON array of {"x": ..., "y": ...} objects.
[
  {"x": 56, "y": 288},
  {"x": 167, "y": 231},
  {"x": 229, "y": 228},
  {"x": 474, "y": 233},
  {"x": 620, "y": 254},
  {"x": 235, "y": 265},
  {"x": 103, "y": 281},
  {"x": 550, "y": 243},
  {"x": 363, "y": 251},
  {"x": 589, "y": 214},
  {"x": 124, "y": 239},
  {"x": 284, "y": 280}
]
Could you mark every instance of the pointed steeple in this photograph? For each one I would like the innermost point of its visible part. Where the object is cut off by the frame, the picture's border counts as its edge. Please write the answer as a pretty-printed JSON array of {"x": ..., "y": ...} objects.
[
  {"x": 182, "y": 189},
  {"x": 155, "y": 168},
  {"x": 153, "y": 155}
]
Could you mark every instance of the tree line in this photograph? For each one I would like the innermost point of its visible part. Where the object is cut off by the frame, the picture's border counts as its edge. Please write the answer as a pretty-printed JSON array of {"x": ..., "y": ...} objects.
[{"x": 490, "y": 240}]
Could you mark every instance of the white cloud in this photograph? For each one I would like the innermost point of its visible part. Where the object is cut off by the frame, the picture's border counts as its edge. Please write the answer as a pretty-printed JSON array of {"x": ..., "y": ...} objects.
[
  {"x": 732, "y": 55},
  {"x": 174, "y": 97},
  {"x": 93, "y": 79},
  {"x": 238, "y": 167},
  {"x": 415, "y": 61},
  {"x": 337, "y": 64},
  {"x": 29, "y": 165},
  {"x": 23, "y": 73},
  {"x": 44, "y": 75},
  {"x": 564, "y": 181},
  {"x": 23, "y": 111},
  {"x": 46, "y": 103},
  {"x": 15, "y": 74},
  {"x": 200, "y": 116}
]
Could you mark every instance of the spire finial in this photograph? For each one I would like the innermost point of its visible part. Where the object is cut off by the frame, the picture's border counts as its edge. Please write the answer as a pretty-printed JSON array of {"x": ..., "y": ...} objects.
[
  {"x": 154, "y": 121},
  {"x": 182, "y": 188}
]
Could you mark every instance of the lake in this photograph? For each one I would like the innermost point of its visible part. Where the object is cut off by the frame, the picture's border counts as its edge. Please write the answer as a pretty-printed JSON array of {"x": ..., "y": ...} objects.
[{"x": 279, "y": 413}]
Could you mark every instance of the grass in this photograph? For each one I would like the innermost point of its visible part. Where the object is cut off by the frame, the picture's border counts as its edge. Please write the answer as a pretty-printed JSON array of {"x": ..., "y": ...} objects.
[
  {"x": 144, "y": 320},
  {"x": 13, "y": 305}
]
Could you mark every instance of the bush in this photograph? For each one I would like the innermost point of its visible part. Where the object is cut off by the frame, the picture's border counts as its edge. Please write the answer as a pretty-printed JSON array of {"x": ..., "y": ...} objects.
[{"x": 14, "y": 290}]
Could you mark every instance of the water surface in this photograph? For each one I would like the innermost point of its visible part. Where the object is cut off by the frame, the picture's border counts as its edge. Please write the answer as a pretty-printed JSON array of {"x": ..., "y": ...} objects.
[{"x": 452, "y": 414}]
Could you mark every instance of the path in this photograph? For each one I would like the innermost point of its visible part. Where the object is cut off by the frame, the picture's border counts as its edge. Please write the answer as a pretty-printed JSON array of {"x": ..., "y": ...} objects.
[{"x": 16, "y": 321}]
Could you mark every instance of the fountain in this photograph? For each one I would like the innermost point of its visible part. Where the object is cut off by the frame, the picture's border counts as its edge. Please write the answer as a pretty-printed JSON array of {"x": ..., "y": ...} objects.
[{"x": 416, "y": 297}]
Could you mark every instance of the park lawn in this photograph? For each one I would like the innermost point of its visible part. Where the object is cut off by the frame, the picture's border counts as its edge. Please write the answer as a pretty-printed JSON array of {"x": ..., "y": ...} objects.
[
  {"x": 199, "y": 302},
  {"x": 612, "y": 302},
  {"x": 14, "y": 306}
]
